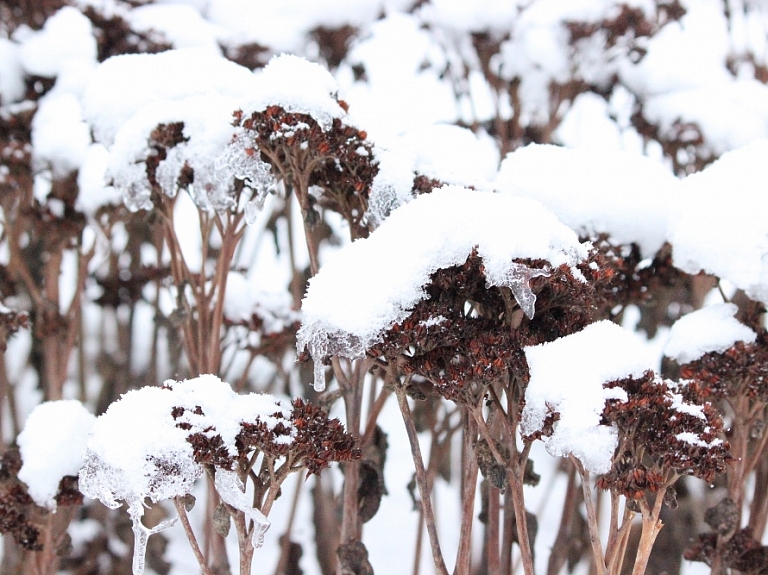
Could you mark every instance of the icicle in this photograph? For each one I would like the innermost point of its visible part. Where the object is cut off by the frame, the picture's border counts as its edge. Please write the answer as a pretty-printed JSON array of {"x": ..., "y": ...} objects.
[
  {"x": 319, "y": 373},
  {"x": 141, "y": 535},
  {"x": 517, "y": 278},
  {"x": 231, "y": 490}
]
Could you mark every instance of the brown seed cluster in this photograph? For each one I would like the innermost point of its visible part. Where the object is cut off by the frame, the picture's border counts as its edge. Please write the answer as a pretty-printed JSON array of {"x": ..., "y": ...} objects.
[
  {"x": 741, "y": 370},
  {"x": 465, "y": 335},
  {"x": 338, "y": 160},
  {"x": 317, "y": 439},
  {"x": 19, "y": 515},
  {"x": 741, "y": 552},
  {"x": 665, "y": 428}
]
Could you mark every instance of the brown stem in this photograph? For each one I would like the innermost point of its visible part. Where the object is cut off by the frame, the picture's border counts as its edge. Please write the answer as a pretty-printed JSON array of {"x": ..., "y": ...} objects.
[
  {"x": 559, "y": 554},
  {"x": 650, "y": 529},
  {"x": 181, "y": 510},
  {"x": 594, "y": 533},
  {"x": 469, "y": 486},
  {"x": 286, "y": 543},
  {"x": 421, "y": 480}
]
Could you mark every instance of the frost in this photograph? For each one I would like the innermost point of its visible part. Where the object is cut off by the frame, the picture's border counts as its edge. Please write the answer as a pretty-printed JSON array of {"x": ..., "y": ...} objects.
[
  {"x": 232, "y": 491},
  {"x": 242, "y": 161}
]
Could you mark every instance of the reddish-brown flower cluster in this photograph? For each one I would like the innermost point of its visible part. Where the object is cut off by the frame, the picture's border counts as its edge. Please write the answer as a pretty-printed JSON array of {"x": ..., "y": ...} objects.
[
  {"x": 665, "y": 429},
  {"x": 742, "y": 370},
  {"x": 11, "y": 321},
  {"x": 465, "y": 335},
  {"x": 338, "y": 160},
  {"x": 317, "y": 440}
]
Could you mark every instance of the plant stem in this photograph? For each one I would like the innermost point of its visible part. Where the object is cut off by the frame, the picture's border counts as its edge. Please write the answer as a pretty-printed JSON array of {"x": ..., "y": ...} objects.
[
  {"x": 594, "y": 533},
  {"x": 421, "y": 480},
  {"x": 191, "y": 535}
]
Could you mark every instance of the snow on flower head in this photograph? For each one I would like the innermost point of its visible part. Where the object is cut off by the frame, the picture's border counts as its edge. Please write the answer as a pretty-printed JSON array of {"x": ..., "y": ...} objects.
[
  {"x": 567, "y": 377},
  {"x": 381, "y": 278},
  {"x": 722, "y": 228},
  {"x": 624, "y": 195},
  {"x": 51, "y": 446},
  {"x": 713, "y": 328},
  {"x": 298, "y": 86}
]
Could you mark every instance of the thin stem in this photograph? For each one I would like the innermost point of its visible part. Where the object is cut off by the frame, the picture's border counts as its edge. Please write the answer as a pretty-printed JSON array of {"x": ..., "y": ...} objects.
[
  {"x": 469, "y": 485},
  {"x": 594, "y": 533},
  {"x": 181, "y": 510},
  {"x": 421, "y": 480}
]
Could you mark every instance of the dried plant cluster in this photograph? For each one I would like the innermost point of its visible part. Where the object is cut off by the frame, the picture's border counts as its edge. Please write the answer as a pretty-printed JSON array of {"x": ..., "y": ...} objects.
[{"x": 112, "y": 301}]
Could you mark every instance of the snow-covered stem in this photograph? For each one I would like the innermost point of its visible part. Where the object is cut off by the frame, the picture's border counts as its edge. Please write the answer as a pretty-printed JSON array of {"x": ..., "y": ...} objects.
[
  {"x": 421, "y": 478},
  {"x": 189, "y": 532}
]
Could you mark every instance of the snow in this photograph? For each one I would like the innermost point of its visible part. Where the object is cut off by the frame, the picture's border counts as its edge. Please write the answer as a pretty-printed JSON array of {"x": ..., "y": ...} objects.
[
  {"x": 182, "y": 25},
  {"x": 443, "y": 152},
  {"x": 66, "y": 44},
  {"x": 721, "y": 226},
  {"x": 11, "y": 73},
  {"x": 123, "y": 85},
  {"x": 299, "y": 86},
  {"x": 567, "y": 377},
  {"x": 624, "y": 195},
  {"x": 92, "y": 182},
  {"x": 381, "y": 278},
  {"x": 60, "y": 137},
  {"x": 713, "y": 328},
  {"x": 51, "y": 446}
]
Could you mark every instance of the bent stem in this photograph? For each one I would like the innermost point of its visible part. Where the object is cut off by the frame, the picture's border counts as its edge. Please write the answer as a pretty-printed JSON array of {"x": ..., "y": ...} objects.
[
  {"x": 182, "y": 511},
  {"x": 421, "y": 480}
]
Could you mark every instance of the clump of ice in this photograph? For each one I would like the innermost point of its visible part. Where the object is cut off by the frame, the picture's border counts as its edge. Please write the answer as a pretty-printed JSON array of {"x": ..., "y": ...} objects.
[
  {"x": 625, "y": 195},
  {"x": 51, "y": 446},
  {"x": 382, "y": 277},
  {"x": 232, "y": 491},
  {"x": 567, "y": 377},
  {"x": 137, "y": 451},
  {"x": 713, "y": 328},
  {"x": 721, "y": 227}
]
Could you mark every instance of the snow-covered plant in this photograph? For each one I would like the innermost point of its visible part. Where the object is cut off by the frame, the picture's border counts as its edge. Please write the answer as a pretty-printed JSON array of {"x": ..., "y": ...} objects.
[
  {"x": 500, "y": 214},
  {"x": 155, "y": 442}
]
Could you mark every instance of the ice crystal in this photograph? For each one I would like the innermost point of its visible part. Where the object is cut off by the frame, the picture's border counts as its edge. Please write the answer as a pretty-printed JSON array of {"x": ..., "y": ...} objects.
[
  {"x": 231, "y": 490},
  {"x": 241, "y": 160},
  {"x": 517, "y": 277}
]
